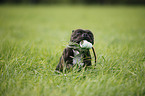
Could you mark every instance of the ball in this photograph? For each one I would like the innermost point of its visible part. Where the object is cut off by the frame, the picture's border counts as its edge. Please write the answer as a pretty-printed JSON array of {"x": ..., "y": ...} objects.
[{"x": 85, "y": 44}]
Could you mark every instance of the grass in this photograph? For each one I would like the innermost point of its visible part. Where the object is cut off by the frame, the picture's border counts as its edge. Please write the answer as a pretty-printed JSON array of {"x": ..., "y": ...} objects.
[{"x": 32, "y": 39}]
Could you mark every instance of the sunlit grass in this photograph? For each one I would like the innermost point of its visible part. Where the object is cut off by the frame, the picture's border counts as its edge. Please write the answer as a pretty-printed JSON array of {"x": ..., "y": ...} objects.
[{"x": 32, "y": 39}]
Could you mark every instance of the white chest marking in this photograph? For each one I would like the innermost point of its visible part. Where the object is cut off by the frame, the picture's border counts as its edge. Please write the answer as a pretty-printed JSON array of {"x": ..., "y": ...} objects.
[{"x": 77, "y": 58}]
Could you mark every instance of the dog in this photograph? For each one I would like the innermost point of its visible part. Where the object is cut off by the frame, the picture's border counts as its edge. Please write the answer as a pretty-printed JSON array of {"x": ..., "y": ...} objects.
[{"x": 73, "y": 54}]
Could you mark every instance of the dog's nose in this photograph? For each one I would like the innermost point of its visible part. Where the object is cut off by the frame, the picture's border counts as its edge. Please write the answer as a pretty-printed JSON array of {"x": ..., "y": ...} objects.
[{"x": 85, "y": 35}]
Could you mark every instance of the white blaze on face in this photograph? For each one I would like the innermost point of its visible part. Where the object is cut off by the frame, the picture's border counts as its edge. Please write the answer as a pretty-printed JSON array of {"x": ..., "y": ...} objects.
[{"x": 85, "y": 44}]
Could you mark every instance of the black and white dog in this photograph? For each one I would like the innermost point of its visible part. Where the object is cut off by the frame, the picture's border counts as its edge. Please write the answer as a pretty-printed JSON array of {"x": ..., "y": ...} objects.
[{"x": 74, "y": 54}]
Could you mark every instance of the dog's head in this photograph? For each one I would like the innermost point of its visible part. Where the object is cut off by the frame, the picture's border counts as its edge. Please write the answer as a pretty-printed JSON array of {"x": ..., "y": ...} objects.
[{"x": 80, "y": 34}]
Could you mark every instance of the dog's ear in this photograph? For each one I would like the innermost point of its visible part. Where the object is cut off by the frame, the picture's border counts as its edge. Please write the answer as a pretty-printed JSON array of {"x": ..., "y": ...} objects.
[{"x": 73, "y": 31}]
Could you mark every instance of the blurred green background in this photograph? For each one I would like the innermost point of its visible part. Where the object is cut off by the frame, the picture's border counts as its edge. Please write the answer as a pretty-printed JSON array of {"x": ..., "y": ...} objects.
[{"x": 32, "y": 38}]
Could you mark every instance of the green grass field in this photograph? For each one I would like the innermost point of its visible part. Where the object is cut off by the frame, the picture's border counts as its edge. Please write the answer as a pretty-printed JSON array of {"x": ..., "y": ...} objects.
[{"x": 32, "y": 39}]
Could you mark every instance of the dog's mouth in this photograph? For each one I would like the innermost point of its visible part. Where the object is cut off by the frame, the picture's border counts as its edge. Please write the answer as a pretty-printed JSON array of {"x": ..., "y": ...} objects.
[
  {"x": 84, "y": 38},
  {"x": 83, "y": 45},
  {"x": 87, "y": 38}
]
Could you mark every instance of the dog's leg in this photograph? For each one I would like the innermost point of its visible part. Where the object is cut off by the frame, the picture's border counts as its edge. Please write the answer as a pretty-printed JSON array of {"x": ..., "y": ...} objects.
[
  {"x": 60, "y": 64},
  {"x": 66, "y": 60}
]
